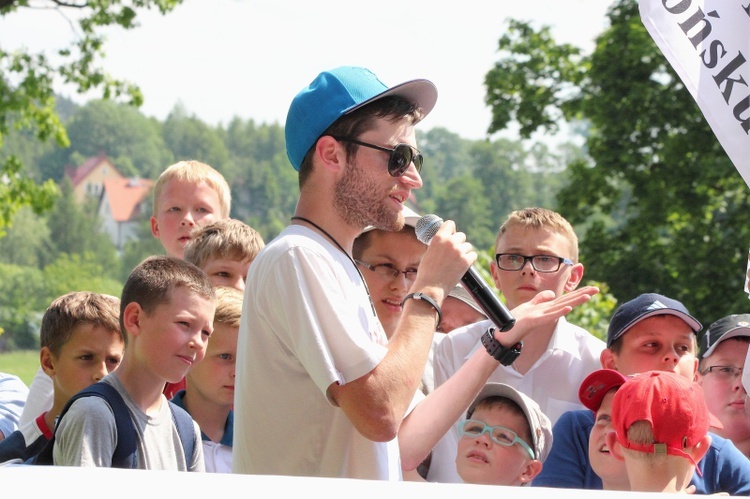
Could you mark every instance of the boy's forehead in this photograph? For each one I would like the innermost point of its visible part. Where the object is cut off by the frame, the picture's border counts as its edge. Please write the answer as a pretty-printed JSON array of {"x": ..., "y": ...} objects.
[
  {"x": 496, "y": 413},
  {"x": 532, "y": 240}
]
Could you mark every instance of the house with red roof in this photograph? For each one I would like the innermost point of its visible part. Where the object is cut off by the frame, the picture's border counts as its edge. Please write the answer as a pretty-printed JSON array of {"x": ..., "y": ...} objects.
[
  {"x": 88, "y": 179},
  {"x": 124, "y": 204}
]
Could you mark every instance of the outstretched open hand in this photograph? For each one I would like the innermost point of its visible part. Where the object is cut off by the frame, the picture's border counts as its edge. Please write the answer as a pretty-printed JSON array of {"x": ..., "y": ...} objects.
[{"x": 544, "y": 308}]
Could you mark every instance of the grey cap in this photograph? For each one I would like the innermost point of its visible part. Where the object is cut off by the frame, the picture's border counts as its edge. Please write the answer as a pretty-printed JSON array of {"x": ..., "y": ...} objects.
[
  {"x": 727, "y": 327},
  {"x": 460, "y": 293},
  {"x": 539, "y": 423}
]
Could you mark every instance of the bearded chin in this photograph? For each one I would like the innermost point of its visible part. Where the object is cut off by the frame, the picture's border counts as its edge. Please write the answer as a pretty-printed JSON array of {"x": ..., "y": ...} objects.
[{"x": 359, "y": 204}]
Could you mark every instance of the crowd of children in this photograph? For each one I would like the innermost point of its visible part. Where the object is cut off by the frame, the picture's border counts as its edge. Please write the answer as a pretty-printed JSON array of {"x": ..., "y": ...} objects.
[{"x": 148, "y": 380}]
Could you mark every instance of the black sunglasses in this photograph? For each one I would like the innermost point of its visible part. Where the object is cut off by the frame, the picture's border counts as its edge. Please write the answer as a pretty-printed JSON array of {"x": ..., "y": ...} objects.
[{"x": 401, "y": 156}]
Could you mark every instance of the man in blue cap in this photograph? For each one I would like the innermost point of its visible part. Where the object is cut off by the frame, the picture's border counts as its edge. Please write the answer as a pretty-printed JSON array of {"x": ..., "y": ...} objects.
[{"x": 320, "y": 390}]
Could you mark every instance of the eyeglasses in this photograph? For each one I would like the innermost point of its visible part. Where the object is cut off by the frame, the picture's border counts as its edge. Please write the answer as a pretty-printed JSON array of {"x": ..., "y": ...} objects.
[
  {"x": 498, "y": 434},
  {"x": 724, "y": 373},
  {"x": 388, "y": 271},
  {"x": 401, "y": 156},
  {"x": 540, "y": 263}
]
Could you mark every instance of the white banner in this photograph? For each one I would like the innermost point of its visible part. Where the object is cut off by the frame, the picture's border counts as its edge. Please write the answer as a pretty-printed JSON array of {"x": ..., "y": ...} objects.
[{"x": 707, "y": 42}]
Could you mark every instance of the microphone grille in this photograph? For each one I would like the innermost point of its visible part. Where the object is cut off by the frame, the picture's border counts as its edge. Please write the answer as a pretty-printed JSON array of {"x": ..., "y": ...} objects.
[{"x": 427, "y": 227}]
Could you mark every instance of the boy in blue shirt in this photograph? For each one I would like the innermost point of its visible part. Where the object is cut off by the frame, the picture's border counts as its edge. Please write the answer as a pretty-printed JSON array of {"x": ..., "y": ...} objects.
[{"x": 661, "y": 336}]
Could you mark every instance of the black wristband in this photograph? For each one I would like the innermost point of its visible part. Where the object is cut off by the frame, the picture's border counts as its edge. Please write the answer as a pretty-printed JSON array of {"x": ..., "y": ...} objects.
[
  {"x": 505, "y": 355},
  {"x": 428, "y": 299}
]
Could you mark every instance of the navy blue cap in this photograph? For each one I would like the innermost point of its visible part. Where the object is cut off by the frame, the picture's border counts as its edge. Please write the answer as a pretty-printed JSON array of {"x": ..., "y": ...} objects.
[{"x": 642, "y": 307}]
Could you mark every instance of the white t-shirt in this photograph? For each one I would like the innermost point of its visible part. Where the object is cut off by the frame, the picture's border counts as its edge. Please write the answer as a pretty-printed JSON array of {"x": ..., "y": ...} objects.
[
  {"x": 553, "y": 381},
  {"x": 13, "y": 394},
  {"x": 307, "y": 322},
  {"x": 41, "y": 396}
]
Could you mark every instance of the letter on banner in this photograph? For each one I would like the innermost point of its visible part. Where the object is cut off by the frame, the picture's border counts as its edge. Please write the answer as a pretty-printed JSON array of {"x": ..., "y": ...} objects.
[{"x": 707, "y": 42}]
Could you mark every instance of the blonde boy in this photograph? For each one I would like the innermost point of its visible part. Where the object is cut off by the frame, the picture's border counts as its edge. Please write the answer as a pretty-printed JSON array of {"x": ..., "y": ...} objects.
[
  {"x": 504, "y": 439},
  {"x": 224, "y": 250},
  {"x": 661, "y": 424},
  {"x": 187, "y": 194},
  {"x": 81, "y": 342},
  {"x": 167, "y": 311},
  {"x": 209, "y": 394},
  {"x": 536, "y": 251}
]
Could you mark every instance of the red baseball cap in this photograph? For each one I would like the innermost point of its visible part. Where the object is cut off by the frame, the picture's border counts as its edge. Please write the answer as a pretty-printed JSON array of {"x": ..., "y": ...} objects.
[
  {"x": 672, "y": 404},
  {"x": 597, "y": 384}
]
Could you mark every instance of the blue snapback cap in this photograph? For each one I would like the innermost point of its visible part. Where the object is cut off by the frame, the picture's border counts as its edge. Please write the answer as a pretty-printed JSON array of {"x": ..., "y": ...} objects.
[
  {"x": 644, "y": 306},
  {"x": 337, "y": 92}
]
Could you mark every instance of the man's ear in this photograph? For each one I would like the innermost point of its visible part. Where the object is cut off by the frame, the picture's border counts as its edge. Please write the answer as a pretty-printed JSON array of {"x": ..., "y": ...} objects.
[
  {"x": 613, "y": 445},
  {"x": 331, "y": 153},
  {"x": 154, "y": 227},
  {"x": 607, "y": 359},
  {"x": 530, "y": 471}
]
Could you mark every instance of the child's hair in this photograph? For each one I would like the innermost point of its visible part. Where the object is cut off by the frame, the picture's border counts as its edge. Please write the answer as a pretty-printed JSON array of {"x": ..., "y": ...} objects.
[
  {"x": 195, "y": 171},
  {"x": 150, "y": 284},
  {"x": 229, "y": 238},
  {"x": 74, "y": 309},
  {"x": 542, "y": 218},
  {"x": 513, "y": 407},
  {"x": 228, "y": 306},
  {"x": 640, "y": 432}
]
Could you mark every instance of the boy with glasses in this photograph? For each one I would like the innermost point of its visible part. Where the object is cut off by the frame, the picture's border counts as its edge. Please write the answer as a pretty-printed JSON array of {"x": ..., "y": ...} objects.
[
  {"x": 388, "y": 261},
  {"x": 504, "y": 439},
  {"x": 723, "y": 349},
  {"x": 536, "y": 250}
]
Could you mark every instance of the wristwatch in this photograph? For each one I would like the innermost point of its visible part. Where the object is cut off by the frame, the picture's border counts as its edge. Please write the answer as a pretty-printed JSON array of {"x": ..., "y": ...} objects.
[{"x": 505, "y": 355}]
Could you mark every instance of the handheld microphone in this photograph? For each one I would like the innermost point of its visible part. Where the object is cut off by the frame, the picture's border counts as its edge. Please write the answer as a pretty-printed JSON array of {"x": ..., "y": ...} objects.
[{"x": 496, "y": 311}]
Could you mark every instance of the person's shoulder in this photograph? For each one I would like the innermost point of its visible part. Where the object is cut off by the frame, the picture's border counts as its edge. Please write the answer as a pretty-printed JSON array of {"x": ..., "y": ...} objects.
[
  {"x": 724, "y": 448},
  {"x": 463, "y": 338},
  {"x": 12, "y": 383},
  {"x": 578, "y": 418},
  {"x": 579, "y": 334}
]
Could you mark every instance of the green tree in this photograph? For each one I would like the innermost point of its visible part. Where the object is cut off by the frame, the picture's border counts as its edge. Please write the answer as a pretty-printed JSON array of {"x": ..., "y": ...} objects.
[
  {"x": 26, "y": 87},
  {"x": 660, "y": 204},
  {"x": 131, "y": 140},
  {"x": 190, "y": 138},
  {"x": 75, "y": 230},
  {"x": 28, "y": 242}
]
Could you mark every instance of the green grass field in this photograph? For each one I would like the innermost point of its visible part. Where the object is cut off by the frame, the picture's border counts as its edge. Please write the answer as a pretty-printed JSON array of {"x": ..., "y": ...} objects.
[{"x": 22, "y": 363}]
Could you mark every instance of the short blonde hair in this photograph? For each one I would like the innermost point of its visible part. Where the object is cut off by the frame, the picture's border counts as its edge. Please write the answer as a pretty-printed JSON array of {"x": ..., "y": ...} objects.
[
  {"x": 75, "y": 309},
  {"x": 228, "y": 306},
  {"x": 541, "y": 218},
  {"x": 195, "y": 171},
  {"x": 229, "y": 238},
  {"x": 641, "y": 432}
]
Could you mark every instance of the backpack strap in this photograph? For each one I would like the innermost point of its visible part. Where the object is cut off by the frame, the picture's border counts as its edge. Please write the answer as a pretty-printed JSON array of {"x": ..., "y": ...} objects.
[
  {"x": 185, "y": 429},
  {"x": 124, "y": 455}
]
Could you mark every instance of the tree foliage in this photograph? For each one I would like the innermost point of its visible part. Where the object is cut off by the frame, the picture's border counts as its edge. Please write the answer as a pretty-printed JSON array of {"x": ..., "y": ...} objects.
[
  {"x": 26, "y": 87},
  {"x": 659, "y": 204}
]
